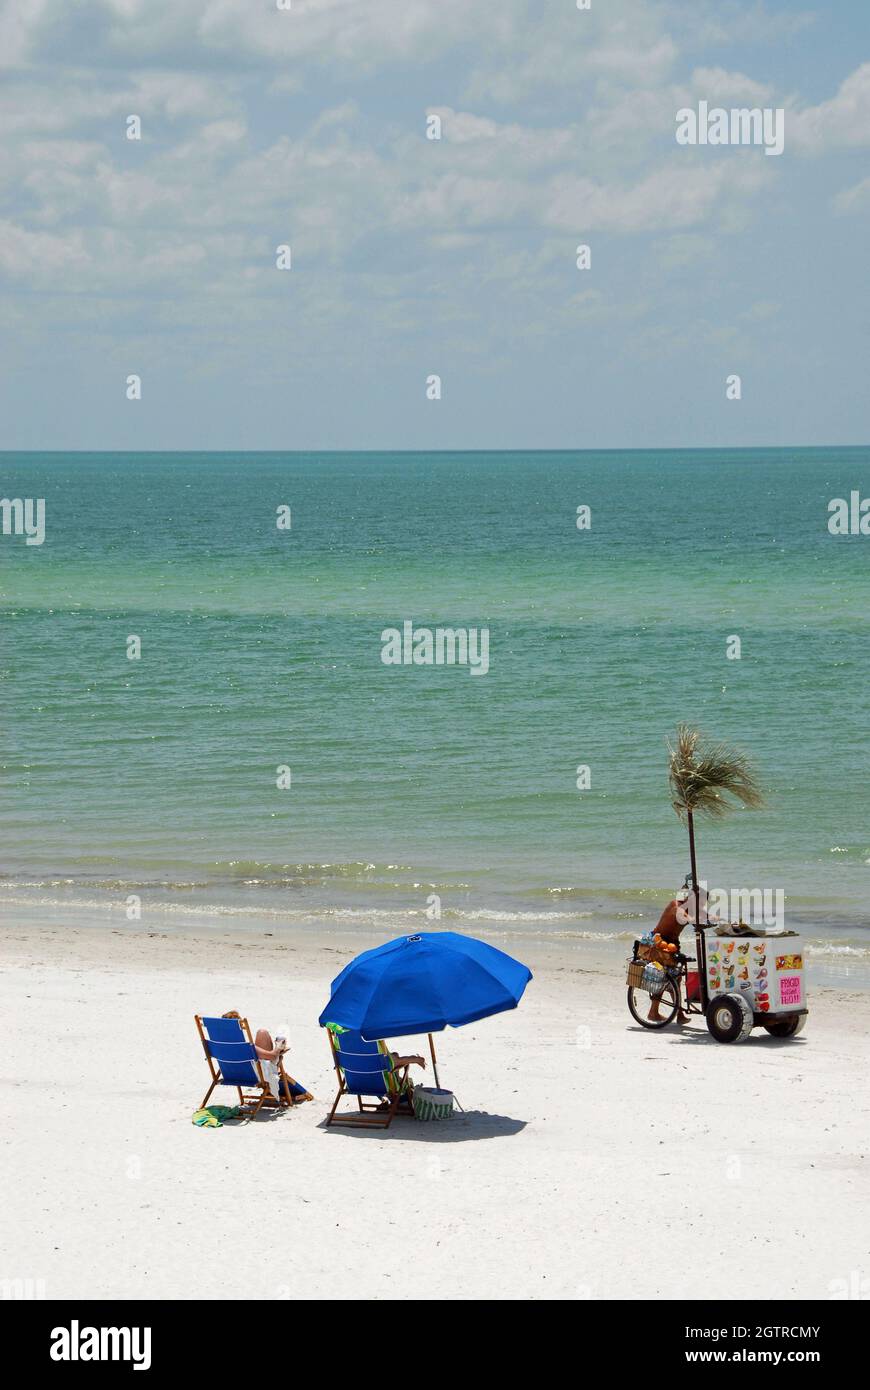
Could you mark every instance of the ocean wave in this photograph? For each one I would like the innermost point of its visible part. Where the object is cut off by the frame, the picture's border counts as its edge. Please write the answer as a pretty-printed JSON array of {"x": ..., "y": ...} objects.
[
  {"x": 254, "y": 910},
  {"x": 104, "y": 885},
  {"x": 255, "y": 868},
  {"x": 837, "y": 948},
  {"x": 107, "y": 898},
  {"x": 312, "y": 913},
  {"x": 362, "y": 875},
  {"x": 489, "y": 914}
]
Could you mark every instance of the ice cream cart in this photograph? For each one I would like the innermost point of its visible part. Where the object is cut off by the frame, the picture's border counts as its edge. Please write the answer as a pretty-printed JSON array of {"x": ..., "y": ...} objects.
[{"x": 743, "y": 979}]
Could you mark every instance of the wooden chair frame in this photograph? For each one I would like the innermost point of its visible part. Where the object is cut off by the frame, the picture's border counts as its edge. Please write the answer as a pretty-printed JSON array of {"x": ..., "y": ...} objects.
[
  {"x": 371, "y": 1115},
  {"x": 257, "y": 1099}
]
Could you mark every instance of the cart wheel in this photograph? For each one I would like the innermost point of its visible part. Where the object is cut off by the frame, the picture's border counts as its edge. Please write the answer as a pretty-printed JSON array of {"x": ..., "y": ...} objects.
[
  {"x": 729, "y": 1018},
  {"x": 640, "y": 1002},
  {"x": 788, "y": 1027}
]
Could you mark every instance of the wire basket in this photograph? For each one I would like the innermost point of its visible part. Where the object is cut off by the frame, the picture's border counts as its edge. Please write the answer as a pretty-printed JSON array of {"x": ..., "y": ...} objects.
[{"x": 643, "y": 975}]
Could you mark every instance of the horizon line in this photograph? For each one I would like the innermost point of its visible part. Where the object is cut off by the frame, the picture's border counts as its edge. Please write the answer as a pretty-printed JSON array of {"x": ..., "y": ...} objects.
[{"x": 530, "y": 449}]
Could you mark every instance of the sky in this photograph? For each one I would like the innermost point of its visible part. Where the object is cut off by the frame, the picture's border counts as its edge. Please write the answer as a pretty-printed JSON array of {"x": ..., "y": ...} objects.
[{"x": 306, "y": 127}]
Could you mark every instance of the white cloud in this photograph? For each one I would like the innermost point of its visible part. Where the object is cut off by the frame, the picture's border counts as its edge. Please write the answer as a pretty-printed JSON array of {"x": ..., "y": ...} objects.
[
  {"x": 853, "y": 198},
  {"x": 722, "y": 88},
  {"x": 622, "y": 44},
  {"x": 327, "y": 190},
  {"x": 40, "y": 256},
  {"x": 529, "y": 45},
  {"x": 75, "y": 98},
  {"x": 841, "y": 122},
  {"x": 675, "y": 196},
  {"x": 735, "y": 22},
  {"x": 485, "y": 144},
  {"x": 19, "y": 21},
  {"x": 344, "y": 32}
]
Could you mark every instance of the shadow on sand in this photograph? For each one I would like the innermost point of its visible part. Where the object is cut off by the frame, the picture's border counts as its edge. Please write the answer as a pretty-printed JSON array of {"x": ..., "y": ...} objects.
[
  {"x": 701, "y": 1035},
  {"x": 266, "y": 1115},
  {"x": 464, "y": 1126}
]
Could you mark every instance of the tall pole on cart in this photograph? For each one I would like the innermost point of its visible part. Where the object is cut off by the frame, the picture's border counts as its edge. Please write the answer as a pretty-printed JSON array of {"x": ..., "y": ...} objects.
[
  {"x": 700, "y": 944},
  {"x": 707, "y": 779},
  {"x": 691, "y": 824}
]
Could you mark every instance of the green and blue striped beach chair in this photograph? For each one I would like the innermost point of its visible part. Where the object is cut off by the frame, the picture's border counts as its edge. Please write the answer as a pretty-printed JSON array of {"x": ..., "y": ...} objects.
[{"x": 365, "y": 1070}]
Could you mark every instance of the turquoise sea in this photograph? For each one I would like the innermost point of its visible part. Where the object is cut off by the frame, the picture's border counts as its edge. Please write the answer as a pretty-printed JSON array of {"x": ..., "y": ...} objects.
[{"x": 261, "y": 648}]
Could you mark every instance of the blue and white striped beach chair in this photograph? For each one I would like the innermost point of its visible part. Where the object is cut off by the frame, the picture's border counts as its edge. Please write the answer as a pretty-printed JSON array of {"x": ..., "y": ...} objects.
[
  {"x": 365, "y": 1070},
  {"x": 233, "y": 1061}
]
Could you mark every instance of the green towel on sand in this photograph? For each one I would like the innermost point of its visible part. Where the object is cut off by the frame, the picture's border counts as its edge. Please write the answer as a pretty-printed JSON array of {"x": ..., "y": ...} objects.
[{"x": 214, "y": 1115}]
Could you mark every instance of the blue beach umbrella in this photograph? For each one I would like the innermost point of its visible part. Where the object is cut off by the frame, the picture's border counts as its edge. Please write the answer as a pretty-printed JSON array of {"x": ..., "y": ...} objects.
[{"x": 420, "y": 984}]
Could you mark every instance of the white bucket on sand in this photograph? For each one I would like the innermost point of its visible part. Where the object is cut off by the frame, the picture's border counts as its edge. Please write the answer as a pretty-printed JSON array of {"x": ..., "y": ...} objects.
[{"x": 432, "y": 1103}]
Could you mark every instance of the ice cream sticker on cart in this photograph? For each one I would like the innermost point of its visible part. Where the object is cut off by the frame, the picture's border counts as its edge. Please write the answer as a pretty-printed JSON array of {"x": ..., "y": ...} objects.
[{"x": 789, "y": 962}]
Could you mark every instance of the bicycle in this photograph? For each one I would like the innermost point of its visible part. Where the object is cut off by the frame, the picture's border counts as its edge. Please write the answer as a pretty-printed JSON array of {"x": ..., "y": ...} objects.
[{"x": 674, "y": 994}]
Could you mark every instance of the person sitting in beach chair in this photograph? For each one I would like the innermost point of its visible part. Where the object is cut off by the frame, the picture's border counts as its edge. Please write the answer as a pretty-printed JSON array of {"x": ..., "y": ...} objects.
[
  {"x": 232, "y": 1060},
  {"x": 271, "y": 1053},
  {"x": 236, "y": 1060},
  {"x": 377, "y": 1077},
  {"x": 285, "y": 1089}
]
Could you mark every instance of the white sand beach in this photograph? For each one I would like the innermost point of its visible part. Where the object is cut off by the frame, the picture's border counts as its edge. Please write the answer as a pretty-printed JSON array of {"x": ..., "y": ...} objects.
[{"x": 594, "y": 1160}]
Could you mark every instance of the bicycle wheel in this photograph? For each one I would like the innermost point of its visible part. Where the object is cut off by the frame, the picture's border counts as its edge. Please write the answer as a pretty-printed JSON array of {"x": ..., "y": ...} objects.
[{"x": 640, "y": 1003}]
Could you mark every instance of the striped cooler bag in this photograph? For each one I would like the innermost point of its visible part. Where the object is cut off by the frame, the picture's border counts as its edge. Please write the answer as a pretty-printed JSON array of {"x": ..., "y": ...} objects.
[{"x": 431, "y": 1103}]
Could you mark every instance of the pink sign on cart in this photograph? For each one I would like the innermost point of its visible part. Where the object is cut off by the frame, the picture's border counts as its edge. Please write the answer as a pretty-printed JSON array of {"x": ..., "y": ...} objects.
[{"x": 790, "y": 989}]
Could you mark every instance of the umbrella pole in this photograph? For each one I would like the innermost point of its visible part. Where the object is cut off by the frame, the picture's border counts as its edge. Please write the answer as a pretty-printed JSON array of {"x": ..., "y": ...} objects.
[{"x": 434, "y": 1061}]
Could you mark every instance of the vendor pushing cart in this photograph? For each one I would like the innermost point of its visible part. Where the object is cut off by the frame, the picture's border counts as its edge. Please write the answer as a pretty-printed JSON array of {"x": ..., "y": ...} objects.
[
  {"x": 744, "y": 975},
  {"x": 741, "y": 976}
]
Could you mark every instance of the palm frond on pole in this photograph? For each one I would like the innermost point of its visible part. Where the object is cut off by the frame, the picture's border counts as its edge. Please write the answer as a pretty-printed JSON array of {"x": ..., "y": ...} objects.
[{"x": 708, "y": 779}]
